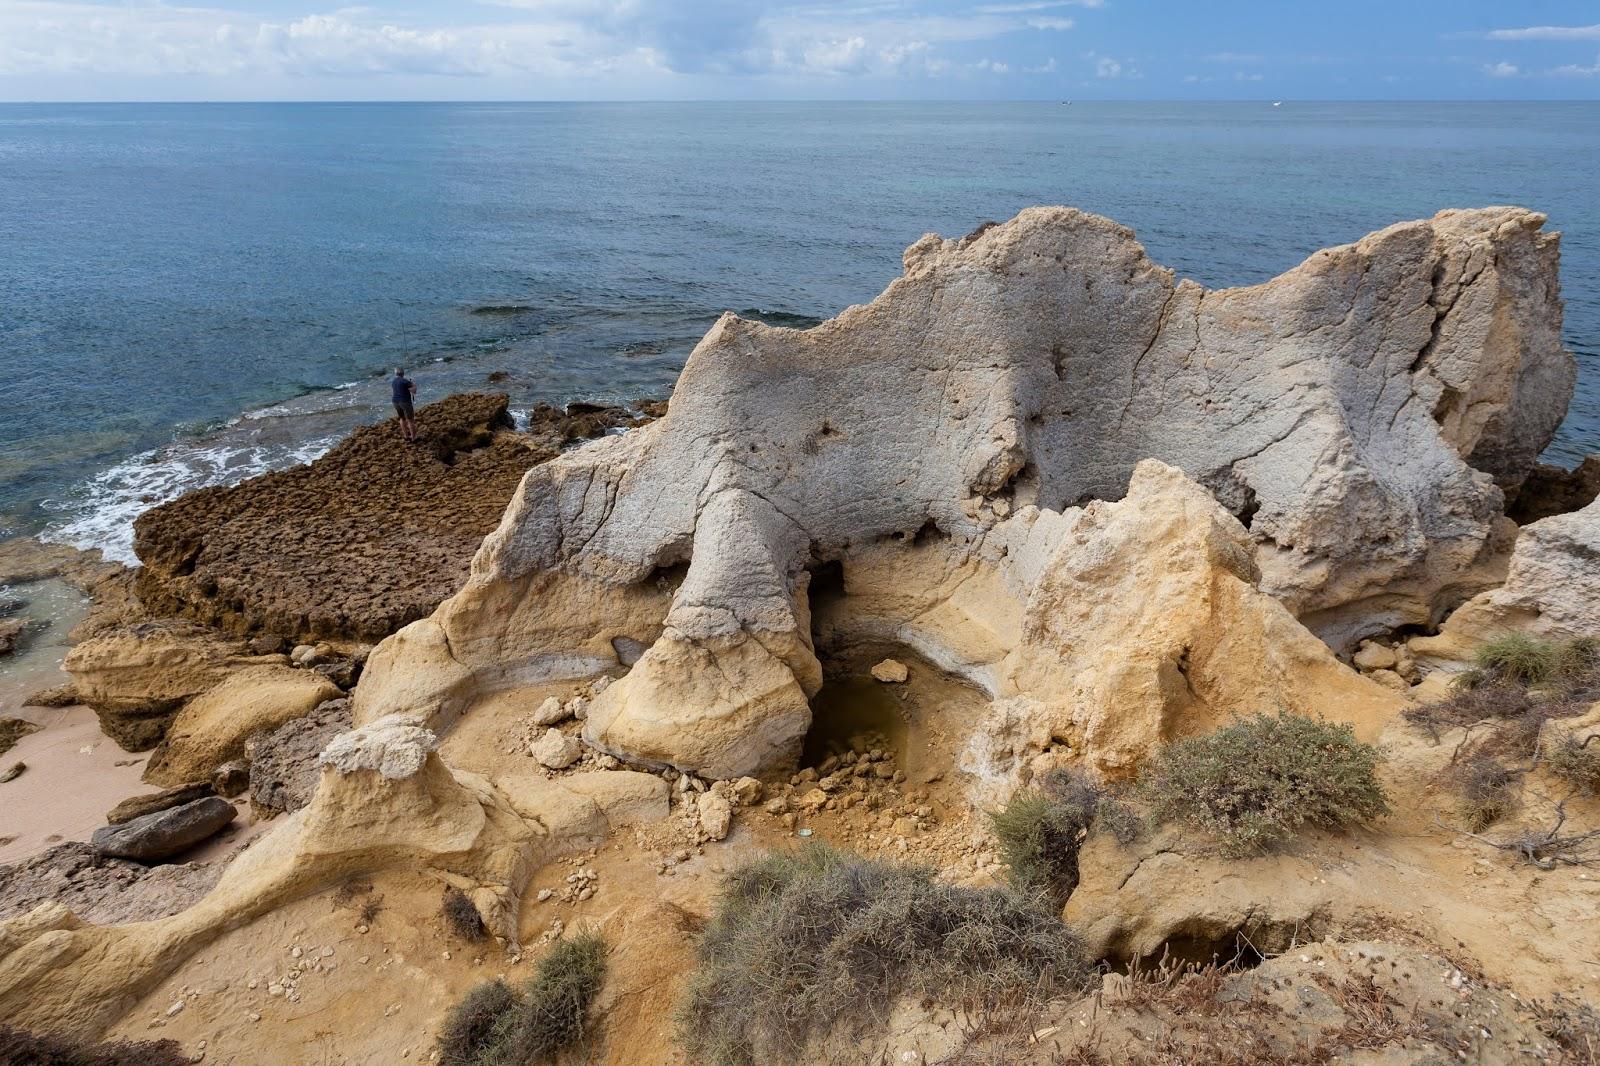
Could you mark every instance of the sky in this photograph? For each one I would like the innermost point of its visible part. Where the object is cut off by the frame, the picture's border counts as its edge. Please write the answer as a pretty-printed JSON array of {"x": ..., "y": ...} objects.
[{"x": 59, "y": 50}]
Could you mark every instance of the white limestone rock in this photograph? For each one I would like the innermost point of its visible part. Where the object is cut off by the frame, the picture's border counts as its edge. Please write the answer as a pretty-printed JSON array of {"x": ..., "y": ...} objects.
[
  {"x": 556, "y": 750},
  {"x": 1361, "y": 413},
  {"x": 1552, "y": 589}
]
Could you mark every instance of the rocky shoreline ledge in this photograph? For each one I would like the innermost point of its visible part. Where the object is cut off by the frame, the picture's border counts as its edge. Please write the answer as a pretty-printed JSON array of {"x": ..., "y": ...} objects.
[{"x": 1040, "y": 532}]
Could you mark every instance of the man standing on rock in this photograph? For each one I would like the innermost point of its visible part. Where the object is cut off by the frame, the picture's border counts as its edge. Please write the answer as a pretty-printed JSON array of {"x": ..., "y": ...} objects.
[{"x": 403, "y": 389}]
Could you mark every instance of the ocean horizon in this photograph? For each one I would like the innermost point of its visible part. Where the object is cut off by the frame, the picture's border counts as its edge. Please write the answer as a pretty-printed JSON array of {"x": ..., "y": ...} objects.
[{"x": 194, "y": 293}]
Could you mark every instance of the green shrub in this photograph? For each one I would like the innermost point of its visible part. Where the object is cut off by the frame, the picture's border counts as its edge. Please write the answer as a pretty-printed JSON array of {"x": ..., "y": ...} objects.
[
  {"x": 1257, "y": 782},
  {"x": 495, "y": 1026},
  {"x": 1041, "y": 830},
  {"x": 567, "y": 981},
  {"x": 804, "y": 940}
]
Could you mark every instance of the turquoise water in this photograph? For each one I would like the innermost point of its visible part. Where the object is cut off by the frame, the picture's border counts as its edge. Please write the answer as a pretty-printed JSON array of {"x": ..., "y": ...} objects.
[{"x": 193, "y": 293}]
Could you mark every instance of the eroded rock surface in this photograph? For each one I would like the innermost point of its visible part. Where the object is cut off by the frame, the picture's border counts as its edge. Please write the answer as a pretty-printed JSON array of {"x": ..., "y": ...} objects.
[
  {"x": 1552, "y": 490},
  {"x": 137, "y": 677},
  {"x": 213, "y": 727},
  {"x": 1552, "y": 589},
  {"x": 370, "y": 536},
  {"x": 101, "y": 889},
  {"x": 283, "y": 762},
  {"x": 1362, "y": 413}
]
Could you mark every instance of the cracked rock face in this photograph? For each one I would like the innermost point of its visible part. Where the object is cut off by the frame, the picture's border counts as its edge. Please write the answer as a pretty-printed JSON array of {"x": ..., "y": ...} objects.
[
  {"x": 1361, "y": 413},
  {"x": 1552, "y": 588}
]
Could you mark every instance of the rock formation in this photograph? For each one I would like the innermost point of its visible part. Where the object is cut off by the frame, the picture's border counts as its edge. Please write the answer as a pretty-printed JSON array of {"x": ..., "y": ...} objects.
[
  {"x": 283, "y": 763},
  {"x": 163, "y": 834},
  {"x": 368, "y": 537},
  {"x": 1068, "y": 507},
  {"x": 363, "y": 540},
  {"x": 98, "y": 889},
  {"x": 137, "y": 677},
  {"x": 1361, "y": 415},
  {"x": 213, "y": 727},
  {"x": 385, "y": 799},
  {"x": 1552, "y": 589},
  {"x": 1552, "y": 490}
]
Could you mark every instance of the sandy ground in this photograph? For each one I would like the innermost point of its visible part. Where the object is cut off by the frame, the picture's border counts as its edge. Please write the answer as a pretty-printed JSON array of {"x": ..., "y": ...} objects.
[
  {"x": 319, "y": 982},
  {"x": 75, "y": 774}
]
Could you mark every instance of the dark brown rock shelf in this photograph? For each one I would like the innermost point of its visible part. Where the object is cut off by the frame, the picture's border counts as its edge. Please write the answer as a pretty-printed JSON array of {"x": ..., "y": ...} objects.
[{"x": 371, "y": 536}]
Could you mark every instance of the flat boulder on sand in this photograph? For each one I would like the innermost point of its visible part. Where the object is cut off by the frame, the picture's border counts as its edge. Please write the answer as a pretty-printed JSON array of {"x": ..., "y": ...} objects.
[{"x": 158, "y": 836}]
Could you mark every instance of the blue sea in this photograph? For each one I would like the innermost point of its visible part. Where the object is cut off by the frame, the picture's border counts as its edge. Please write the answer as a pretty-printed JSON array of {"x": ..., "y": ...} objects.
[{"x": 190, "y": 294}]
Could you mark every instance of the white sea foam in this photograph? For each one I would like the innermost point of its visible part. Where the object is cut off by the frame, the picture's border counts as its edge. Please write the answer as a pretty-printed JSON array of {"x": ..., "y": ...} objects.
[{"x": 99, "y": 513}]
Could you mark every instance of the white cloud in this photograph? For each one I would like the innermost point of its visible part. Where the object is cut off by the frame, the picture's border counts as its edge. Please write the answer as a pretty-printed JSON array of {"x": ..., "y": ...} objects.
[
  {"x": 1501, "y": 70},
  {"x": 1574, "y": 70},
  {"x": 1242, "y": 75},
  {"x": 1232, "y": 57},
  {"x": 1106, "y": 67},
  {"x": 45, "y": 36},
  {"x": 1034, "y": 5},
  {"x": 1547, "y": 33},
  {"x": 555, "y": 38}
]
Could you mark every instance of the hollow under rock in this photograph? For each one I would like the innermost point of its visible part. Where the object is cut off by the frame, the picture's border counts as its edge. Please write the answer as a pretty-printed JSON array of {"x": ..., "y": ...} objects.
[{"x": 932, "y": 442}]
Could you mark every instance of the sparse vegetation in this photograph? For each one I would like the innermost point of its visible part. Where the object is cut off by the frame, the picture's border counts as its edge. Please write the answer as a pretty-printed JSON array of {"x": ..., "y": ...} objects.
[
  {"x": 496, "y": 1026},
  {"x": 1519, "y": 659},
  {"x": 461, "y": 916},
  {"x": 21, "y": 1048},
  {"x": 358, "y": 888},
  {"x": 1258, "y": 782},
  {"x": 1573, "y": 1025},
  {"x": 1487, "y": 791},
  {"x": 477, "y": 1031},
  {"x": 1215, "y": 1015},
  {"x": 1520, "y": 684},
  {"x": 1041, "y": 830},
  {"x": 1575, "y": 762},
  {"x": 805, "y": 940}
]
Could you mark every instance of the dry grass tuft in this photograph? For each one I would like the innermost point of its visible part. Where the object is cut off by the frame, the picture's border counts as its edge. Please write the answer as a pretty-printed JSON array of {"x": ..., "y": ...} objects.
[
  {"x": 1573, "y": 1026},
  {"x": 1486, "y": 790},
  {"x": 21, "y": 1048},
  {"x": 1521, "y": 683},
  {"x": 460, "y": 916},
  {"x": 805, "y": 940},
  {"x": 1575, "y": 762},
  {"x": 496, "y": 1026},
  {"x": 1206, "y": 1016}
]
